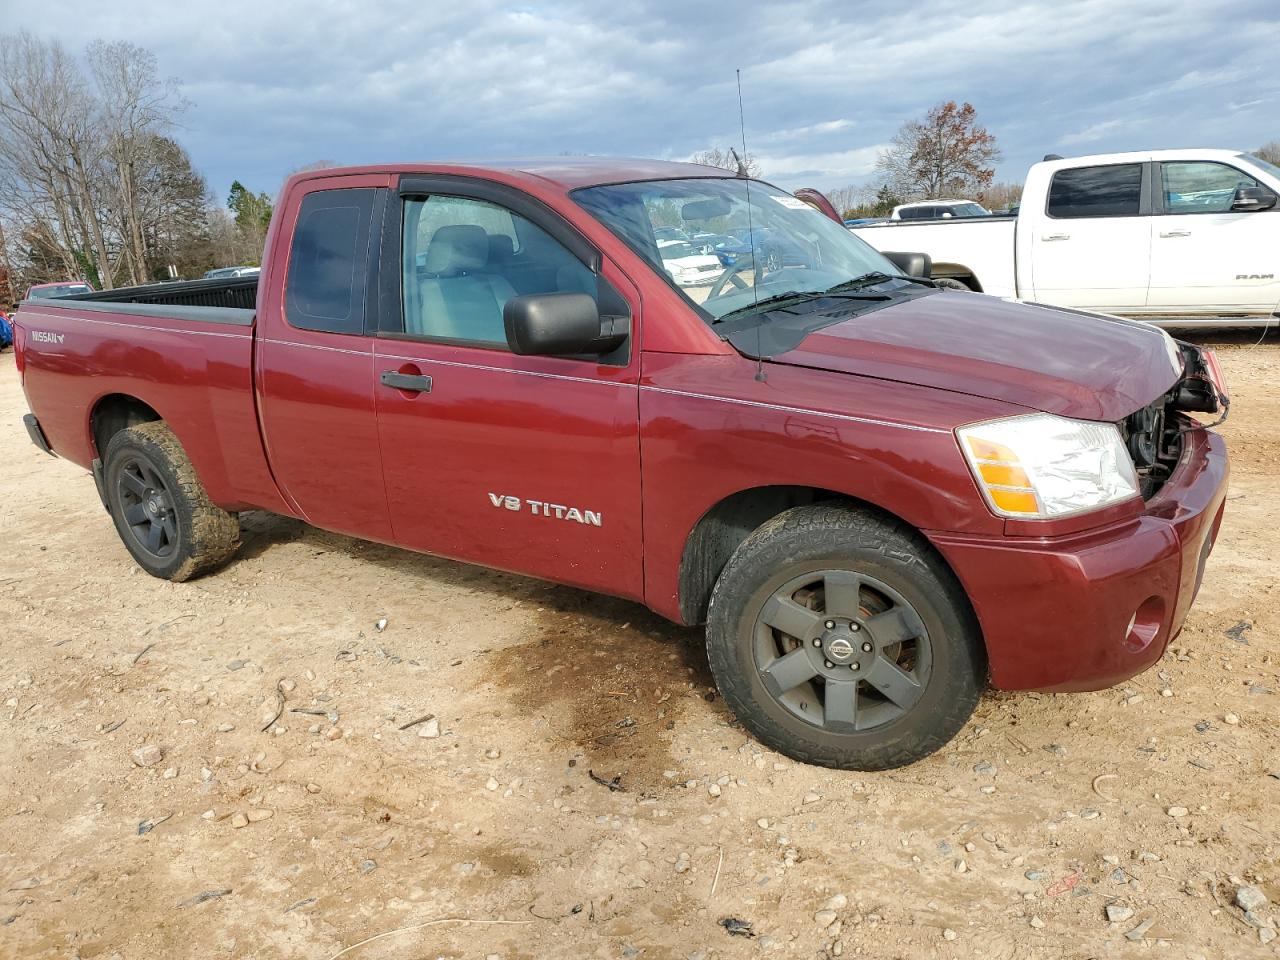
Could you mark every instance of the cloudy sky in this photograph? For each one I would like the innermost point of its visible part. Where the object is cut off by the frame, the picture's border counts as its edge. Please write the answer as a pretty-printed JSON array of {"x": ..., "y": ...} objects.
[{"x": 277, "y": 84}]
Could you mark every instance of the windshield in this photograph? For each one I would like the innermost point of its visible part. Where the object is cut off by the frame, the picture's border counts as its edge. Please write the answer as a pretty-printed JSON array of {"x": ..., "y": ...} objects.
[
  {"x": 60, "y": 290},
  {"x": 1261, "y": 164},
  {"x": 675, "y": 249},
  {"x": 935, "y": 211},
  {"x": 772, "y": 246}
]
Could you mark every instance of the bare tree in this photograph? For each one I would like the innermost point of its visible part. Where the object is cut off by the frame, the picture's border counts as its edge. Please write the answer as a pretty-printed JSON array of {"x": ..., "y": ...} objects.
[
  {"x": 135, "y": 108},
  {"x": 1001, "y": 196},
  {"x": 1269, "y": 152},
  {"x": 726, "y": 160},
  {"x": 48, "y": 151},
  {"x": 82, "y": 156},
  {"x": 946, "y": 153}
]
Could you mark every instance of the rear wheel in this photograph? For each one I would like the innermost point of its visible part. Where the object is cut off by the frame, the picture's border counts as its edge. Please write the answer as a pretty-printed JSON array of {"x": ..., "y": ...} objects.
[
  {"x": 950, "y": 283},
  {"x": 160, "y": 509},
  {"x": 841, "y": 639}
]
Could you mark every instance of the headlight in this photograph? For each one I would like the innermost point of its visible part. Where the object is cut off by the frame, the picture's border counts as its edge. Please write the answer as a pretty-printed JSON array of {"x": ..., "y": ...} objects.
[{"x": 1041, "y": 466}]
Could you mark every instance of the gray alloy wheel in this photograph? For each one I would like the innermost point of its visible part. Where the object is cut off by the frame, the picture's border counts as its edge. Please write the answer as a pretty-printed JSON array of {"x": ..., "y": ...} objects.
[
  {"x": 842, "y": 650},
  {"x": 150, "y": 518},
  {"x": 840, "y": 637},
  {"x": 161, "y": 510}
]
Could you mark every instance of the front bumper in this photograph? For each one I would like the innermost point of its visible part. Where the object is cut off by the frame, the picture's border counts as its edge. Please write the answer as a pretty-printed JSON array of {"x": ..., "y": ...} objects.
[
  {"x": 1090, "y": 610},
  {"x": 700, "y": 280}
]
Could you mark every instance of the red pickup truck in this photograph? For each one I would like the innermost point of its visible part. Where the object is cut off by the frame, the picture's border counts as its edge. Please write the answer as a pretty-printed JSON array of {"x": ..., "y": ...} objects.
[{"x": 878, "y": 495}]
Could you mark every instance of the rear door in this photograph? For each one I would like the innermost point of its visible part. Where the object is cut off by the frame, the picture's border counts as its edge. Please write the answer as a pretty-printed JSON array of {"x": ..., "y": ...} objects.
[
  {"x": 529, "y": 464},
  {"x": 1205, "y": 257},
  {"x": 1091, "y": 246},
  {"x": 315, "y": 356}
]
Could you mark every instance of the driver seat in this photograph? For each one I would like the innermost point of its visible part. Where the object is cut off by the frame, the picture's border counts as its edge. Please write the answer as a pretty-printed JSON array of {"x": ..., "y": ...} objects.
[{"x": 457, "y": 299}]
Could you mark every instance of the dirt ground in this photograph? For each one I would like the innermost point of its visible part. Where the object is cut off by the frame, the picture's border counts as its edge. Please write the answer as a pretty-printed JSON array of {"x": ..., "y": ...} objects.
[{"x": 1011, "y": 842}]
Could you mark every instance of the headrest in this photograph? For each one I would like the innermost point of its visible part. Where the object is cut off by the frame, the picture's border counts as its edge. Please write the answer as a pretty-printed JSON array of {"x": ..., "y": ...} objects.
[
  {"x": 455, "y": 249},
  {"x": 500, "y": 248}
]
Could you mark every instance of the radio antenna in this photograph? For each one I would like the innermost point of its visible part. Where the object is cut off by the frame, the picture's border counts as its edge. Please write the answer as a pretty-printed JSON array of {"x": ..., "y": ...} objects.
[{"x": 751, "y": 228}]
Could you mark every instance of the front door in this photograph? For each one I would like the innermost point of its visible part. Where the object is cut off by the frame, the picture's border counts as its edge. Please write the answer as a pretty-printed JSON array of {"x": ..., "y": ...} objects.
[
  {"x": 1091, "y": 247},
  {"x": 1205, "y": 257},
  {"x": 529, "y": 464}
]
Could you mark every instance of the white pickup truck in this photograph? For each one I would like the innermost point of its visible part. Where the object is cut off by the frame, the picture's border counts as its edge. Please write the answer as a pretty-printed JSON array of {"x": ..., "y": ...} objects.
[{"x": 1178, "y": 237}]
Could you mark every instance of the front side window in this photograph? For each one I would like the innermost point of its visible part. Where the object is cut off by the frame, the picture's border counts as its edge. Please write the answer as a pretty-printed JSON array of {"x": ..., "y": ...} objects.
[
  {"x": 329, "y": 261},
  {"x": 463, "y": 259},
  {"x": 1110, "y": 191},
  {"x": 1201, "y": 187}
]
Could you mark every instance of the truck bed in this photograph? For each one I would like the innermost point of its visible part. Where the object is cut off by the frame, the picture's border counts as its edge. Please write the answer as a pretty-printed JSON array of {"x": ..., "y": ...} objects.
[
  {"x": 977, "y": 247},
  {"x": 236, "y": 294},
  {"x": 184, "y": 350}
]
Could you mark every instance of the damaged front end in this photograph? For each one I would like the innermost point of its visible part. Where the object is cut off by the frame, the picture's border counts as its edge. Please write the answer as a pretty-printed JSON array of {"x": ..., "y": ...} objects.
[{"x": 1154, "y": 434}]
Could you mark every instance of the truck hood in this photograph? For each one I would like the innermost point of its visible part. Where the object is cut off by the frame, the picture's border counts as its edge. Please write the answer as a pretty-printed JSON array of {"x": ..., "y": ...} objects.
[{"x": 1082, "y": 365}]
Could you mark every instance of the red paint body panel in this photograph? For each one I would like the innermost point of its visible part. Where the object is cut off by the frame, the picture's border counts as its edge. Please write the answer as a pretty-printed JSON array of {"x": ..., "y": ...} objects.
[
  {"x": 1055, "y": 612},
  {"x": 557, "y": 431},
  {"x": 296, "y": 422},
  {"x": 315, "y": 395},
  {"x": 197, "y": 376},
  {"x": 1038, "y": 357},
  {"x": 710, "y": 429}
]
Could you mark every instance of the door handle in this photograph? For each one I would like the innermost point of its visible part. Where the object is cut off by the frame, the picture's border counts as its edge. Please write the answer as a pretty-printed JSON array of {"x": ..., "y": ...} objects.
[
  {"x": 409, "y": 382},
  {"x": 1175, "y": 233},
  {"x": 1055, "y": 236}
]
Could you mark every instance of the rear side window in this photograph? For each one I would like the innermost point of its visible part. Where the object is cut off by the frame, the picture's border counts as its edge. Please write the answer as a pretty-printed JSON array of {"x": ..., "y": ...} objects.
[
  {"x": 329, "y": 262},
  {"x": 1111, "y": 191}
]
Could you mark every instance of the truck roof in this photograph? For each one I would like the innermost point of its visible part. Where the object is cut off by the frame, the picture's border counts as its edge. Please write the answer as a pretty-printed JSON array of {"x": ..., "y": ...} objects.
[
  {"x": 568, "y": 173},
  {"x": 1138, "y": 156}
]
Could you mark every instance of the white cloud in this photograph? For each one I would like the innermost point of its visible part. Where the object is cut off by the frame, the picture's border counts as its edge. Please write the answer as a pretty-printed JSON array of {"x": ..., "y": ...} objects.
[
  {"x": 1099, "y": 130},
  {"x": 824, "y": 169},
  {"x": 825, "y": 82}
]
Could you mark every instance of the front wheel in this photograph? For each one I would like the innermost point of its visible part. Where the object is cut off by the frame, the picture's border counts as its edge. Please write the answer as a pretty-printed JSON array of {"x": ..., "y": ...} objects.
[
  {"x": 160, "y": 508},
  {"x": 841, "y": 639}
]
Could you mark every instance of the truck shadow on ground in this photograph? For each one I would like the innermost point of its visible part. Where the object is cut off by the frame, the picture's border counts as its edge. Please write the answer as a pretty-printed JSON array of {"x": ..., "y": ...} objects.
[{"x": 606, "y": 679}]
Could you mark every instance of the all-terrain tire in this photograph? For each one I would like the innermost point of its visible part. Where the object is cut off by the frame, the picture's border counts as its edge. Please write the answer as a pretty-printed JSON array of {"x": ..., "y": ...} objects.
[
  {"x": 950, "y": 283},
  {"x": 876, "y": 550},
  {"x": 146, "y": 467}
]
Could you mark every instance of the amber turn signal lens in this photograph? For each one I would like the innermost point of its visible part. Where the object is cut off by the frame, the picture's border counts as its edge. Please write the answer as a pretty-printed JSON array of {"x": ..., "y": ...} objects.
[
  {"x": 1004, "y": 475},
  {"x": 1014, "y": 501}
]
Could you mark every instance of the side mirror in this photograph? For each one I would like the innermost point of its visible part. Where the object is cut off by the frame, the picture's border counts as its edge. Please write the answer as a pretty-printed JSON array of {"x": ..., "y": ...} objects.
[
  {"x": 559, "y": 325},
  {"x": 912, "y": 264},
  {"x": 1252, "y": 199}
]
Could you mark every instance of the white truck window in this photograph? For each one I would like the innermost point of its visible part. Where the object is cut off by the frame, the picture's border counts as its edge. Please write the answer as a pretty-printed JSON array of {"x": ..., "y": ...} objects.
[
  {"x": 1108, "y": 191},
  {"x": 1201, "y": 187}
]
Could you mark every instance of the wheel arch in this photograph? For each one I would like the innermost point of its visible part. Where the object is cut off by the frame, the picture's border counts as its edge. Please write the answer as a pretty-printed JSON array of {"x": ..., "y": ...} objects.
[
  {"x": 114, "y": 412},
  {"x": 957, "y": 271},
  {"x": 726, "y": 524}
]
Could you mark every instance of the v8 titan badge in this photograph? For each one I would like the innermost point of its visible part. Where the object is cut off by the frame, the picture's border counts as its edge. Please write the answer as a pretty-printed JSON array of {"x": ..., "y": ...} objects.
[{"x": 541, "y": 508}]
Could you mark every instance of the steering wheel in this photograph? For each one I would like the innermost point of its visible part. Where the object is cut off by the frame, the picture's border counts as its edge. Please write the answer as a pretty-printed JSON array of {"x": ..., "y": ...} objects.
[{"x": 730, "y": 275}]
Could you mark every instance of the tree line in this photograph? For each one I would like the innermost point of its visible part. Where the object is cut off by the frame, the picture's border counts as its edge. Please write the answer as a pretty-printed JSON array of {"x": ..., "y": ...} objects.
[{"x": 94, "y": 183}]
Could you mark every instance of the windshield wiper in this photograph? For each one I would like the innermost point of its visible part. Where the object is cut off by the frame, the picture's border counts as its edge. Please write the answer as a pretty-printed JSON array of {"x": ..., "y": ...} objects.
[
  {"x": 796, "y": 296},
  {"x": 877, "y": 276}
]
